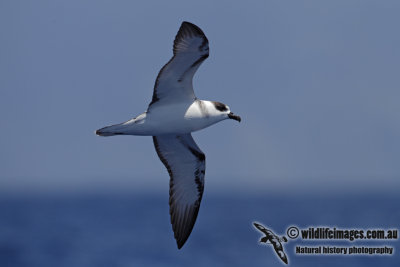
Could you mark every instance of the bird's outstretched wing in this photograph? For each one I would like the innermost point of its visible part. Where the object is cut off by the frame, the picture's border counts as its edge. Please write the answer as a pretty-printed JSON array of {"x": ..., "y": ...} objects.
[
  {"x": 185, "y": 163},
  {"x": 281, "y": 254},
  {"x": 174, "y": 81},
  {"x": 261, "y": 228}
]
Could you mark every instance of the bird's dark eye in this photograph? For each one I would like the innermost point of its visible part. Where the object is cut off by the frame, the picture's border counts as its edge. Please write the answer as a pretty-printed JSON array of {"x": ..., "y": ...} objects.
[{"x": 220, "y": 106}]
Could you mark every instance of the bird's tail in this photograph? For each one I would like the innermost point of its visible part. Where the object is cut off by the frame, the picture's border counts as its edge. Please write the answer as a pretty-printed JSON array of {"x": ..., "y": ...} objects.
[{"x": 117, "y": 129}]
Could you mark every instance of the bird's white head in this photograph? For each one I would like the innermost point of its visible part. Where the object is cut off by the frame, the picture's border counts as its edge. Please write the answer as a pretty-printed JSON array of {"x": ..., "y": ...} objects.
[{"x": 224, "y": 111}]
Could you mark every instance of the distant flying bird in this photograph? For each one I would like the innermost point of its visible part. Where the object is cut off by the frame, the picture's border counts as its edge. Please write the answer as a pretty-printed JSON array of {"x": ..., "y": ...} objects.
[
  {"x": 274, "y": 241},
  {"x": 172, "y": 115}
]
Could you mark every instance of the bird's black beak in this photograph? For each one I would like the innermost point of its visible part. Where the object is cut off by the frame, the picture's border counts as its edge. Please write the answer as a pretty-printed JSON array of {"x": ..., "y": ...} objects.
[{"x": 234, "y": 117}]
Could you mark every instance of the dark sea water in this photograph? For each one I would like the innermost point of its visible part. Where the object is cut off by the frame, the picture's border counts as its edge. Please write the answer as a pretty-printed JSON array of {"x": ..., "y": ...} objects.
[{"x": 122, "y": 231}]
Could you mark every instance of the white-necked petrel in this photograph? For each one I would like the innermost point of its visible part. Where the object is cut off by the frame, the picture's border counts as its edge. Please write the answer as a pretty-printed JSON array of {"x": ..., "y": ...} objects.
[{"x": 172, "y": 115}]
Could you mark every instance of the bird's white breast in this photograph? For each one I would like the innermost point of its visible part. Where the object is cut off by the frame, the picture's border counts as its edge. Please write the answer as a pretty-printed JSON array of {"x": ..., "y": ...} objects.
[{"x": 181, "y": 117}]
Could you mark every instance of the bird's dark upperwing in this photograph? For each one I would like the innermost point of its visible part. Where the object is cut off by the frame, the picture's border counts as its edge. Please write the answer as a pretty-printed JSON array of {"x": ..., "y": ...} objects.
[
  {"x": 174, "y": 81},
  {"x": 281, "y": 253},
  {"x": 186, "y": 165},
  {"x": 261, "y": 228}
]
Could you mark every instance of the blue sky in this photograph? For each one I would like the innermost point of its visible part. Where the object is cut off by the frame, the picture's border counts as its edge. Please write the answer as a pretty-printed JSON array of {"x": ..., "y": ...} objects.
[{"x": 315, "y": 82}]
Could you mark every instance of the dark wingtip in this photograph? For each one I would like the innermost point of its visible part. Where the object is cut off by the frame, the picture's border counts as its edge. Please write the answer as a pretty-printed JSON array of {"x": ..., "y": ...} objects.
[
  {"x": 186, "y": 24},
  {"x": 181, "y": 240},
  {"x": 180, "y": 244},
  {"x": 183, "y": 228},
  {"x": 190, "y": 28}
]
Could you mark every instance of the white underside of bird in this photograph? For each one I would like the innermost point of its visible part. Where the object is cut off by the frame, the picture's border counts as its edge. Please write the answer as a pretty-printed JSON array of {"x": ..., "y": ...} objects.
[
  {"x": 172, "y": 115},
  {"x": 174, "y": 118}
]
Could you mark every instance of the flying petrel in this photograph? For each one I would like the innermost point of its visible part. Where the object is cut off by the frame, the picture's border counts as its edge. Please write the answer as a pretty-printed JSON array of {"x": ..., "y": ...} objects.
[
  {"x": 172, "y": 115},
  {"x": 274, "y": 241}
]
